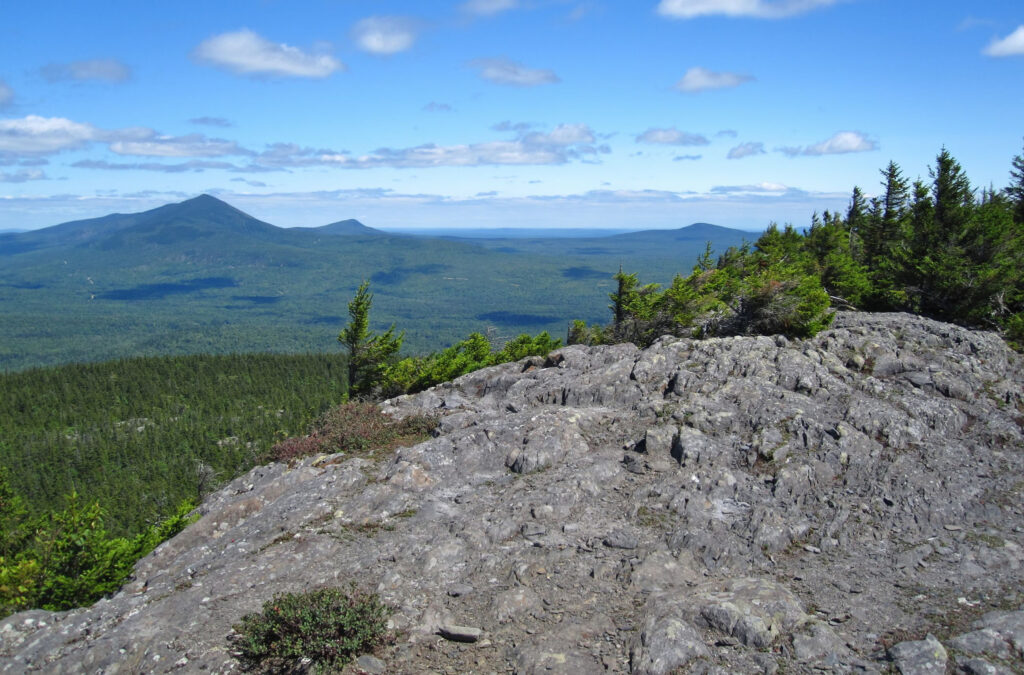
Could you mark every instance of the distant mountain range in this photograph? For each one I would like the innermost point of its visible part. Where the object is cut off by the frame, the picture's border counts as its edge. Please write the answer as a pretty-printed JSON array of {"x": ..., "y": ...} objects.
[{"x": 203, "y": 276}]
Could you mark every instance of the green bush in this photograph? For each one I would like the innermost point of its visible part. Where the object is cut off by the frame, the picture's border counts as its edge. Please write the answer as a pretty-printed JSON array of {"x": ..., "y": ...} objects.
[
  {"x": 328, "y": 626},
  {"x": 71, "y": 560},
  {"x": 416, "y": 373}
]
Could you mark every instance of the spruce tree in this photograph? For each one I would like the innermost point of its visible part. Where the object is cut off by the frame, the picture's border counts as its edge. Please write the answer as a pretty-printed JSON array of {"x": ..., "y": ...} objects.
[
  {"x": 1015, "y": 191},
  {"x": 369, "y": 354}
]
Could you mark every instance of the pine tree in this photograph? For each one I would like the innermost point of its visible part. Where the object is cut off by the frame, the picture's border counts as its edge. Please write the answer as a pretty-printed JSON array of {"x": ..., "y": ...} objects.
[{"x": 369, "y": 354}]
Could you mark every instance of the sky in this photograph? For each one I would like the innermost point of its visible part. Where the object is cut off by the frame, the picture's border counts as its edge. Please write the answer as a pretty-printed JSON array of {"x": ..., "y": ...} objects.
[{"x": 626, "y": 114}]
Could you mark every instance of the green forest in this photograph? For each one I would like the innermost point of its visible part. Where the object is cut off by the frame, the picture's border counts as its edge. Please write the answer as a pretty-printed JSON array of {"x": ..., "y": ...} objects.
[{"x": 141, "y": 435}]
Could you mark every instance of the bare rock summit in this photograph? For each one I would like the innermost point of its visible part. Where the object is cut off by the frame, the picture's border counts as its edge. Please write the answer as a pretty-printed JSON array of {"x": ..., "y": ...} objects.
[{"x": 851, "y": 503}]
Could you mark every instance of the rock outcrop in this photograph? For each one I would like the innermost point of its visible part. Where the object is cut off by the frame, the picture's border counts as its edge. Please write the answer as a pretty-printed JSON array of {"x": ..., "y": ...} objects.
[{"x": 851, "y": 503}]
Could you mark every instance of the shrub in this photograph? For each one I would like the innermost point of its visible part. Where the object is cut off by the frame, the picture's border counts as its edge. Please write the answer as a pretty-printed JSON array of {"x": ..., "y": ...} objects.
[
  {"x": 328, "y": 626},
  {"x": 355, "y": 427}
]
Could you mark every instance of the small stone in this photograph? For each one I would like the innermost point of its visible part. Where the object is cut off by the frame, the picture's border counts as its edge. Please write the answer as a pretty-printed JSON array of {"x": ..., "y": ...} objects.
[
  {"x": 460, "y": 633},
  {"x": 369, "y": 663},
  {"x": 621, "y": 539},
  {"x": 920, "y": 657},
  {"x": 459, "y": 590}
]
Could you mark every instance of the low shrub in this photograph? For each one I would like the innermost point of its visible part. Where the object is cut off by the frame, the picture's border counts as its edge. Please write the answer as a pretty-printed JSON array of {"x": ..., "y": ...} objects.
[
  {"x": 328, "y": 626},
  {"x": 356, "y": 427}
]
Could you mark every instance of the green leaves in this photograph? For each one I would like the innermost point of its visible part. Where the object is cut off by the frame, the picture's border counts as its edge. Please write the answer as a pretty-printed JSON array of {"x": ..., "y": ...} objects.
[
  {"x": 71, "y": 560},
  {"x": 369, "y": 354},
  {"x": 329, "y": 626}
]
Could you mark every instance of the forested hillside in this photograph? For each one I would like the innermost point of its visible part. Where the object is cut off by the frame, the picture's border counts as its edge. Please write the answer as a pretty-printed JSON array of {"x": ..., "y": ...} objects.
[{"x": 142, "y": 435}]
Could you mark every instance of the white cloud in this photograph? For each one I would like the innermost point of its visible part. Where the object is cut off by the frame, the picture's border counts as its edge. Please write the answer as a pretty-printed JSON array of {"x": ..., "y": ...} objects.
[
  {"x": 746, "y": 150},
  {"x": 1011, "y": 45},
  {"x": 488, "y": 7},
  {"x": 762, "y": 9},
  {"x": 35, "y": 135},
  {"x": 434, "y": 106},
  {"x": 686, "y": 158},
  {"x": 191, "y": 145},
  {"x": 103, "y": 70},
  {"x": 699, "y": 79},
  {"x": 504, "y": 71},
  {"x": 671, "y": 136},
  {"x": 563, "y": 134},
  {"x": 22, "y": 176},
  {"x": 6, "y": 94},
  {"x": 384, "y": 34},
  {"x": 246, "y": 53},
  {"x": 839, "y": 144}
]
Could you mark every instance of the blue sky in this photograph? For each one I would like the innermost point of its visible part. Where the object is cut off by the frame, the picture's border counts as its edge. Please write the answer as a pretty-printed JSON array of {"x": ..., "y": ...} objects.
[{"x": 530, "y": 113}]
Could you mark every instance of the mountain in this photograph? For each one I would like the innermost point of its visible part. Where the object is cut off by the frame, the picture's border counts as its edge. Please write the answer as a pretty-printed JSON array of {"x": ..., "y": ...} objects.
[
  {"x": 347, "y": 228},
  {"x": 845, "y": 504},
  {"x": 203, "y": 276}
]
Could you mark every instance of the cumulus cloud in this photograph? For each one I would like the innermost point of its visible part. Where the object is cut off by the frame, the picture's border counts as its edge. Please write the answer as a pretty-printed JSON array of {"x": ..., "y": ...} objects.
[
  {"x": 35, "y": 135},
  {"x": 384, "y": 35},
  {"x": 671, "y": 136},
  {"x": 102, "y": 70},
  {"x": 22, "y": 176},
  {"x": 699, "y": 79},
  {"x": 246, "y": 53},
  {"x": 190, "y": 145},
  {"x": 840, "y": 143},
  {"x": 6, "y": 94},
  {"x": 505, "y": 71},
  {"x": 746, "y": 150},
  {"x": 762, "y": 9},
  {"x": 211, "y": 122},
  {"x": 1011, "y": 45},
  {"x": 488, "y": 7}
]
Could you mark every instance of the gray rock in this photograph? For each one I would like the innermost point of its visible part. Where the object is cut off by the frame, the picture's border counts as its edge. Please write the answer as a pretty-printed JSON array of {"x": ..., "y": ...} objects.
[
  {"x": 371, "y": 664},
  {"x": 621, "y": 539},
  {"x": 920, "y": 657},
  {"x": 450, "y": 631},
  {"x": 665, "y": 644}
]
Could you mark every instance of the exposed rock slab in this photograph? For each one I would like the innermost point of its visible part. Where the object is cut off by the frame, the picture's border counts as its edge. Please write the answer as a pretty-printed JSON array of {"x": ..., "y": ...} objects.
[{"x": 729, "y": 505}]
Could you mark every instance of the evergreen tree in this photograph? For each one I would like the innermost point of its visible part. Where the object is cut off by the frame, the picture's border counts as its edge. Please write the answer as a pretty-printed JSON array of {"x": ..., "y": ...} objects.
[
  {"x": 857, "y": 222},
  {"x": 369, "y": 354},
  {"x": 1015, "y": 191}
]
